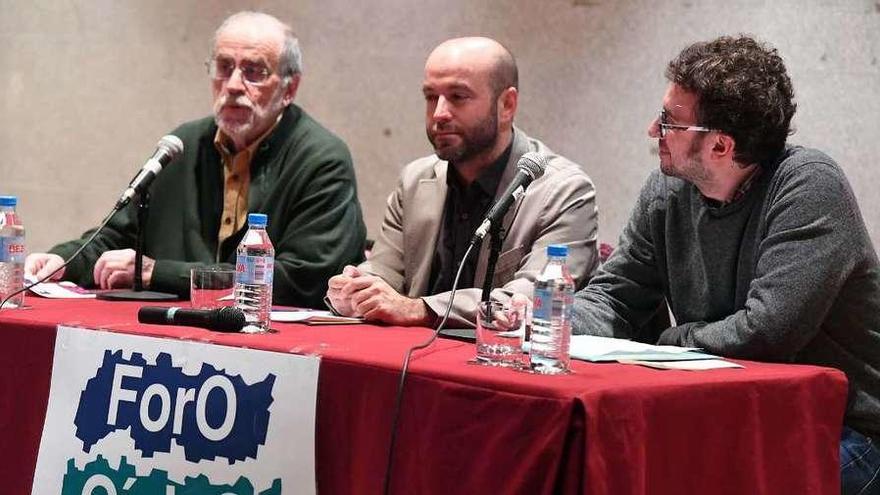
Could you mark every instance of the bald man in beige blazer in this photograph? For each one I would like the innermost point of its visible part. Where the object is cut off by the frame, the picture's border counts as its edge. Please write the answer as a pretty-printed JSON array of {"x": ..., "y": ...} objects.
[{"x": 470, "y": 90}]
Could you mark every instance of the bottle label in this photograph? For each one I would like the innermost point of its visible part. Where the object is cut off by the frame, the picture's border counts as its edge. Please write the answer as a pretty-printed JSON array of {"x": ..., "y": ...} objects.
[
  {"x": 254, "y": 270},
  {"x": 8, "y": 218},
  {"x": 543, "y": 304},
  {"x": 12, "y": 249}
]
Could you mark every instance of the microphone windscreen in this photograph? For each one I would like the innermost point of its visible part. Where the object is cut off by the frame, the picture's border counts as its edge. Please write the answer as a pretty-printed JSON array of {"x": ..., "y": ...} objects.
[
  {"x": 533, "y": 163},
  {"x": 172, "y": 144},
  {"x": 229, "y": 319}
]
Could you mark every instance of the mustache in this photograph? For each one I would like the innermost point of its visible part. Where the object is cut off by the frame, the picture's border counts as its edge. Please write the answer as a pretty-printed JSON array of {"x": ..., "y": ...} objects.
[
  {"x": 443, "y": 127},
  {"x": 238, "y": 100}
]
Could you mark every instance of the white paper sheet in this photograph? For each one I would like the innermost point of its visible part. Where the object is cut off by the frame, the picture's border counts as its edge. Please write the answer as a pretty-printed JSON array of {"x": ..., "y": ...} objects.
[
  {"x": 313, "y": 317},
  {"x": 59, "y": 290},
  {"x": 696, "y": 365}
]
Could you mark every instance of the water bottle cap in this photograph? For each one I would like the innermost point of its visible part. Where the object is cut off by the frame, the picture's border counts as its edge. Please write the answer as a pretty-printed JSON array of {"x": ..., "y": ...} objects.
[
  {"x": 257, "y": 219},
  {"x": 8, "y": 200},
  {"x": 557, "y": 250}
]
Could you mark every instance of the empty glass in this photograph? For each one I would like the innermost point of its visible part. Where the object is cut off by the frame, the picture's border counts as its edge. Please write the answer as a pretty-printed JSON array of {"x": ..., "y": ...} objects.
[{"x": 211, "y": 287}]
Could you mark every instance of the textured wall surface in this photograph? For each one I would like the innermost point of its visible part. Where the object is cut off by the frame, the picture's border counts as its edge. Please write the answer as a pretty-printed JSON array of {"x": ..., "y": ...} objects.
[{"x": 88, "y": 87}]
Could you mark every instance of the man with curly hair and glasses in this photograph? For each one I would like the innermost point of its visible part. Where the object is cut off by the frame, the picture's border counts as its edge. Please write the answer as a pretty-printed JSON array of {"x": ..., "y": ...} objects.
[{"x": 758, "y": 247}]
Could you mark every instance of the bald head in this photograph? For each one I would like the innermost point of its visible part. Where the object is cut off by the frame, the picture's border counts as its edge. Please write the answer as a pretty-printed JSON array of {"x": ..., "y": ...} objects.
[
  {"x": 471, "y": 99},
  {"x": 481, "y": 56}
]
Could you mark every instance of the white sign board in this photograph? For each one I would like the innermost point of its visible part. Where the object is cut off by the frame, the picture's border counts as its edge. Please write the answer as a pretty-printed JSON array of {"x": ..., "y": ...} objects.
[{"x": 132, "y": 415}]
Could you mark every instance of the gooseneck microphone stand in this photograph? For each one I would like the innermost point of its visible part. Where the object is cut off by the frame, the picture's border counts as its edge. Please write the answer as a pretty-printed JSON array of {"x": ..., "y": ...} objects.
[
  {"x": 142, "y": 214},
  {"x": 137, "y": 292},
  {"x": 497, "y": 235}
]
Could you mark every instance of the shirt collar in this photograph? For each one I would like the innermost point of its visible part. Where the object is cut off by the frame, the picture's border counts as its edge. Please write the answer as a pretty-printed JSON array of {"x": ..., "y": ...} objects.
[
  {"x": 747, "y": 184},
  {"x": 741, "y": 190}
]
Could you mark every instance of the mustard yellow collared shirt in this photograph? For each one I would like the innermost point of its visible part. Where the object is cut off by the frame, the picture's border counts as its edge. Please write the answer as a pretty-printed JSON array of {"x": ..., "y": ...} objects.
[{"x": 236, "y": 182}]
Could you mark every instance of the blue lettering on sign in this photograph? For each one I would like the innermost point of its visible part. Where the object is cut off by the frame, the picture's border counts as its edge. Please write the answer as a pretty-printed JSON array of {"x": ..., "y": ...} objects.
[{"x": 210, "y": 414}]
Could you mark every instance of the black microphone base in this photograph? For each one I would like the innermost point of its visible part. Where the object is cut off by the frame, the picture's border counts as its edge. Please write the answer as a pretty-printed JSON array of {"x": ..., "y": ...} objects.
[{"x": 135, "y": 295}]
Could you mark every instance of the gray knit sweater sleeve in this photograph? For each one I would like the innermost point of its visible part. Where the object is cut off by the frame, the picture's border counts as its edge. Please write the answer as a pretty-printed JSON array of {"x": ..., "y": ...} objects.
[{"x": 627, "y": 289}]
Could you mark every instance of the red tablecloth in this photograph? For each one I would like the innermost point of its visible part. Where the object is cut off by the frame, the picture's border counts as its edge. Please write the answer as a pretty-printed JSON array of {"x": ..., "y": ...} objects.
[{"x": 606, "y": 429}]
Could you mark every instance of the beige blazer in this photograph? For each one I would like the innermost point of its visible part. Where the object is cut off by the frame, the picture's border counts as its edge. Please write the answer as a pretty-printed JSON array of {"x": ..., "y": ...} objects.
[{"x": 558, "y": 208}]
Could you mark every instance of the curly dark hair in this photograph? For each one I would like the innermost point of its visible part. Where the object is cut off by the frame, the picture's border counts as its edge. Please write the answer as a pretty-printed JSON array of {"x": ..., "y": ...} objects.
[{"x": 743, "y": 90}]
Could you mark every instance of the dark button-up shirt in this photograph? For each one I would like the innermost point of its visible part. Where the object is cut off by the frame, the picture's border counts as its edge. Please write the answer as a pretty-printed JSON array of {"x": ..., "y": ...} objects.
[{"x": 464, "y": 211}]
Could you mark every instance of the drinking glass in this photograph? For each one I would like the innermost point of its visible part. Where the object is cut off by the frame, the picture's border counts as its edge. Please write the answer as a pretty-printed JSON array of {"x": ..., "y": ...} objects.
[
  {"x": 500, "y": 332},
  {"x": 211, "y": 287}
]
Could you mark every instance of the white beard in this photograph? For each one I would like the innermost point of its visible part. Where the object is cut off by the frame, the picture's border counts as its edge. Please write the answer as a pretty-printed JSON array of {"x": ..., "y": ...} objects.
[{"x": 258, "y": 118}]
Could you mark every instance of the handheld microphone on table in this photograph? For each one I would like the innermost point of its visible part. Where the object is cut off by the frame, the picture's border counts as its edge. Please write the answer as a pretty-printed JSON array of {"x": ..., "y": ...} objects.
[
  {"x": 529, "y": 168},
  {"x": 169, "y": 147},
  {"x": 225, "y": 319}
]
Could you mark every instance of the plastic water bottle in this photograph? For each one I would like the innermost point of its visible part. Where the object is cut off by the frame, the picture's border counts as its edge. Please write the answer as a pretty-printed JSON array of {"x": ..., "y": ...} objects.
[
  {"x": 254, "y": 267},
  {"x": 11, "y": 252},
  {"x": 551, "y": 317}
]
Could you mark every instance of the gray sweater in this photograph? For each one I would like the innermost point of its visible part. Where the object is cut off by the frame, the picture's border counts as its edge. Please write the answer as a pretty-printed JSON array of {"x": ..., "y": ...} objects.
[{"x": 786, "y": 273}]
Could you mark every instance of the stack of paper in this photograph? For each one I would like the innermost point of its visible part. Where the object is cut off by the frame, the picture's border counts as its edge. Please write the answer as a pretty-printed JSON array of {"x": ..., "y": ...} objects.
[
  {"x": 598, "y": 349},
  {"x": 605, "y": 349}
]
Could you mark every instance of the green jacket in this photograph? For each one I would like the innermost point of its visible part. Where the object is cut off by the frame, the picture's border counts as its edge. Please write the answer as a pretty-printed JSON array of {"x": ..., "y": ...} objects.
[{"x": 301, "y": 177}]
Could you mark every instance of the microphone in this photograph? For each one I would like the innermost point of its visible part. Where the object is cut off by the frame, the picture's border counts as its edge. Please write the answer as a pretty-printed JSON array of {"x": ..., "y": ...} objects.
[
  {"x": 168, "y": 148},
  {"x": 225, "y": 319},
  {"x": 529, "y": 167}
]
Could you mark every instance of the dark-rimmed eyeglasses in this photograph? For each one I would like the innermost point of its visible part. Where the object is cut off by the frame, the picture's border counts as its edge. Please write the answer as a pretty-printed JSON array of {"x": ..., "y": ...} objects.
[
  {"x": 665, "y": 127},
  {"x": 252, "y": 73}
]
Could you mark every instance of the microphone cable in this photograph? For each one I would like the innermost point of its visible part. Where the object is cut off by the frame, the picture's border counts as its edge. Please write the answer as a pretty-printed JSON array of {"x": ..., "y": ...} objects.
[
  {"x": 386, "y": 486},
  {"x": 64, "y": 265}
]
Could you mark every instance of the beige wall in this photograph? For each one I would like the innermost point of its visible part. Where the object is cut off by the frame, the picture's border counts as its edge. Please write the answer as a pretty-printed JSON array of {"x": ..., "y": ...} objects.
[{"x": 88, "y": 87}]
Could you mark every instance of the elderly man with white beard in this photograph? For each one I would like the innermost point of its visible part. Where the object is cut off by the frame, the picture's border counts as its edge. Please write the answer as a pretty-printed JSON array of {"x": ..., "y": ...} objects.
[{"x": 260, "y": 153}]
